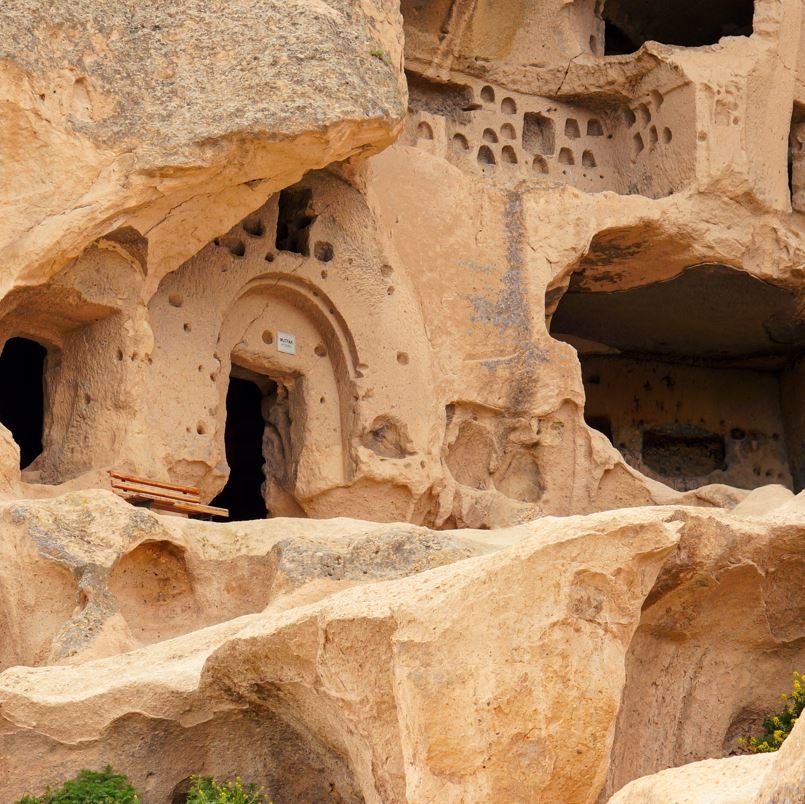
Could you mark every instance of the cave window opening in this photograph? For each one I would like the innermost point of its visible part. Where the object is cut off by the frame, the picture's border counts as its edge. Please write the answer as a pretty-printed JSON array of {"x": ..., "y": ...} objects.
[
  {"x": 689, "y": 391},
  {"x": 243, "y": 493},
  {"x": 630, "y": 23},
  {"x": 294, "y": 220},
  {"x": 22, "y": 395}
]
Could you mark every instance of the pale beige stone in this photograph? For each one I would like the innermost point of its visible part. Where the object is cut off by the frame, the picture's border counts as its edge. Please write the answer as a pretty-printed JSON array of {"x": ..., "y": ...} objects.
[
  {"x": 737, "y": 780},
  {"x": 774, "y": 778},
  {"x": 532, "y": 305},
  {"x": 450, "y": 684},
  {"x": 719, "y": 636}
]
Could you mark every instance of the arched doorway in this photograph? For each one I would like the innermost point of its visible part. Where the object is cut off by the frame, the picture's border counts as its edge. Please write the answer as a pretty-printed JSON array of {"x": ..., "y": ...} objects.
[{"x": 22, "y": 395}]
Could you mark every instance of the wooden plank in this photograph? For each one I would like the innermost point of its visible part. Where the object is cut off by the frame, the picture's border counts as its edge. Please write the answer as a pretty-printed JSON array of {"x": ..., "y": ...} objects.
[
  {"x": 141, "y": 488},
  {"x": 156, "y": 501},
  {"x": 195, "y": 508},
  {"x": 157, "y": 483}
]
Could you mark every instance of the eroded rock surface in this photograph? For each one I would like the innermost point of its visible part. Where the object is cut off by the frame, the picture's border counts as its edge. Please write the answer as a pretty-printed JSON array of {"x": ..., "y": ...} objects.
[
  {"x": 521, "y": 284},
  {"x": 395, "y": 688},
  {"x": 760, "y": 779},
  {"x": 88, "y": 575}
]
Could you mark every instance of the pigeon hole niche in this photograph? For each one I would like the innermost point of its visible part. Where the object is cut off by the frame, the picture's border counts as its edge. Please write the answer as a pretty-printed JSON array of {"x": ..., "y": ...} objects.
[{"x": 695, "y": 379}]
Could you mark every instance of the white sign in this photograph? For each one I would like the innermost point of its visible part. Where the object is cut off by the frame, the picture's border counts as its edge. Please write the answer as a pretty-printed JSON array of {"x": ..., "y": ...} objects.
[{"x": 286, "y": 343}]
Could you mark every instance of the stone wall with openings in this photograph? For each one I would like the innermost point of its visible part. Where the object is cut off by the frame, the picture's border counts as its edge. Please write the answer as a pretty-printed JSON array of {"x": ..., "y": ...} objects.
[{"x": 595, "y": 146}]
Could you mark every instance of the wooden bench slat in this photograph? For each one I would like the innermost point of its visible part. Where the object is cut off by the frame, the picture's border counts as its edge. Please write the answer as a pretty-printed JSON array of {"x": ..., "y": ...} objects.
[
  {"x": 141, "y": 488},
  {"x": 193, "y": 508},
  {"x": 162, "y": 496},
  {"x": 174, "y": 505},
  {"x": 157, "y": 483}
]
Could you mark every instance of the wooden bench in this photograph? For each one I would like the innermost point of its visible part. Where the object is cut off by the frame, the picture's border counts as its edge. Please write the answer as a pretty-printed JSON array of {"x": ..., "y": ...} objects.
[{"x": 162, "y": 496}]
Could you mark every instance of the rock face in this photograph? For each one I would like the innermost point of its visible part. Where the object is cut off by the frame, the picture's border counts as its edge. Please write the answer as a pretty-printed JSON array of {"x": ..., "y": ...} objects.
[
  {"x": 89, "y": 575},
  {"x": 572, "y": 283},
  {"x": 723, "y": 624},
  {"x": 486, "y": 324},
  {"x": 519, "y": 665},
  {"x": 390, "y": 691},
  {"x": 150, "y": 118},
  {"x": 760, "y": 779}
]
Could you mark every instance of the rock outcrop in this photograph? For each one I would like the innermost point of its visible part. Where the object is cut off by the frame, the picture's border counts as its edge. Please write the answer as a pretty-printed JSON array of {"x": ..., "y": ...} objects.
[
  {"x": 88, "y": 575},
  {"x": 551, "y": 287},
  {"x": 518, "y": 665},
  {"x": 775, "y": 778},
  {"x": 445, "y": 684},
  {"x": 483, "y": 324}
]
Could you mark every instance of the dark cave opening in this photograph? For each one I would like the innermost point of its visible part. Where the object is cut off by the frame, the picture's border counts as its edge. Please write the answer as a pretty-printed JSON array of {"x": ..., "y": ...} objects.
[
  {"x": 294, "y": 220},
  {"x": 243, "y": 436},
  {"x": 22, "y": 395},
  {"x": 630, "y": 23}
]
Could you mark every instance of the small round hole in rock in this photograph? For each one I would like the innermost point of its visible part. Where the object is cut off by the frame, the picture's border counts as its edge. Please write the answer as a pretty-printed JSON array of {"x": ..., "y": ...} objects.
[
  {"x": 390, "y": 290},
  {"x": 459, "y": 143},
  {"x": 269, "y": 257},
  {"x": 488, "y": 94},
  {"x": 201, "y": 428},
  {"x": 320, "y": 350},
  {"x": 187, "y": 327},
  {"x": 507, "y": 155},
  {"x": 254, "y": 227},
  {"x": 267, "y": 336},
  {"x": 175, "y": 300},
  {"x": 507, "y": 132},
  {"x": 323, "y": 251},
  {"x": 402, "y": 358}
]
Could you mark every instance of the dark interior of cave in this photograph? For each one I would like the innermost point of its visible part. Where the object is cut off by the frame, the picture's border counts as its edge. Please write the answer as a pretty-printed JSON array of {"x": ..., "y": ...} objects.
[{"x": 22, "y": 395}]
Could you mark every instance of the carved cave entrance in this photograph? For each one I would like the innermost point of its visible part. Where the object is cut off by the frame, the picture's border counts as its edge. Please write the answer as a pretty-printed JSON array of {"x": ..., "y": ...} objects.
[
  {"x": 257, "y": 439},
  {"x": 630, "y": 23},
  {"x": 22, "y": 395},
  {"x": 697, "y": 379}
]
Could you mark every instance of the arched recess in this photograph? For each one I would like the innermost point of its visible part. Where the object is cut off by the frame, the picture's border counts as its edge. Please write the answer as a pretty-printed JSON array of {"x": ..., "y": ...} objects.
[
  {"x": 696, "y": 378},
  {"x": 309, "y": 394}
]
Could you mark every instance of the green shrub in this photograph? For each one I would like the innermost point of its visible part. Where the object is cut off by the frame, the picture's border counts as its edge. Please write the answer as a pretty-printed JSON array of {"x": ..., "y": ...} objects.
[
  {"x": 89, "y": 787},
  {"x": 778, "y": 727},
  {"x": 205, "y": 790}
]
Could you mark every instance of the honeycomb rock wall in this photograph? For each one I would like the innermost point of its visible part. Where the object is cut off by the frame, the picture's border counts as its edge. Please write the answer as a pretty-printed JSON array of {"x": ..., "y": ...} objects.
[{"x": 440, "y": 294}]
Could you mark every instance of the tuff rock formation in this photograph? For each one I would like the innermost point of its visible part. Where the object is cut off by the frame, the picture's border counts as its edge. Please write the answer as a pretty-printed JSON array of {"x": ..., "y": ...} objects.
[{"x": 486, "y": 323}]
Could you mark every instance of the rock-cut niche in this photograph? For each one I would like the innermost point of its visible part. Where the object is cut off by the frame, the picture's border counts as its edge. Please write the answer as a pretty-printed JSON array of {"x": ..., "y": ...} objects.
[
  {"x": 696, "y": 379},
  {"x": 630, "y": 23}
]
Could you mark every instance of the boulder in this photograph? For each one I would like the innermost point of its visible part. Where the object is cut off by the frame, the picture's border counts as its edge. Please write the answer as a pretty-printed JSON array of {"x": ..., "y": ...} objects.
[{"x": 495, "y": 678}]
